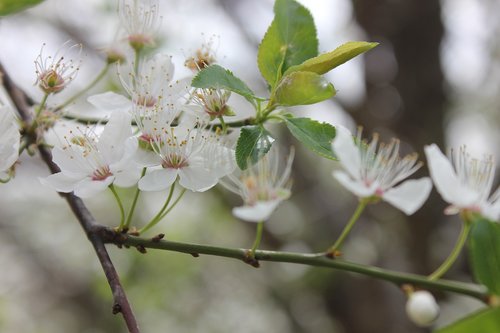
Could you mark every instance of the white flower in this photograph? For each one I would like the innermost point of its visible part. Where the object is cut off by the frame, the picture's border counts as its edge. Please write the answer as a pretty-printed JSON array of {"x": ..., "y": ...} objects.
[
  {"x": 89, "y": 164},
  {"x": 464, "y": 182},
  {"x": 210, "y": 103},
  {"x": 189, "y": 152},
  {"x": 9, "y": 140},
  {"x": 54, "y": 73},
  {"x": 262, "y": 186},
  {"x": 372, "y": 173},
  {"x": 422, "y": 308},
  {"x": 140, "y": 20},
  {"x": 152, "y": 88}
]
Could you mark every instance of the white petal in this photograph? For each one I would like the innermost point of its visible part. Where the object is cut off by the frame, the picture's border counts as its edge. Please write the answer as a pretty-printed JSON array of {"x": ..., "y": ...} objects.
[
  {"x": 410, "y": 195},
  {"x": 9, "y": 146},
  {"x": 354, "y": 186},
  {"x": 112, "y": 139},
  {"x": 197, "y": 179},
  {"x": 158, "y": 180},
  {"x": 347, "y": 152},
  {"x": 110, "y": 101},
  {"x": 491, "y": 211},
  {"x": 259, "y": 212},
  {"x": 88, "y": 188},
  {"x": 70, "y": 160},
  {"x": 446, "y": 180},
  {"x": 61, "y": 182},
  {"x": 146, "y": 158},
  {"x": 128, "y": 177}
]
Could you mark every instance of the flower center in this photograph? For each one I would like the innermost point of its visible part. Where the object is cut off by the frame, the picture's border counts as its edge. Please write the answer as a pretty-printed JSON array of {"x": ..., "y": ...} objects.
[
  {"x": 174, "y": 161},
  {"x": 51, "y": 82},
  {"x": 146, "y": 101},
  {"x": 101, "y": 173}
]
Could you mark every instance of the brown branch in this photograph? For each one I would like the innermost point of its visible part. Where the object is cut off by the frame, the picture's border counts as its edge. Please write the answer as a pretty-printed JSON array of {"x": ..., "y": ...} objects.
[{"x": 93, "y": 230}]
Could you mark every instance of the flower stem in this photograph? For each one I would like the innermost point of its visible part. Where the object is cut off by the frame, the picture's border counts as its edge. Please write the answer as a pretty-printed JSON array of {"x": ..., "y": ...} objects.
[
  {"x": 84, "y": 90},
  {"x": 134, "y": 203},
  {"x": 157, "y": 218},
  {"x": 445, "y": 266},
  {"x": 338, "y": 243},
  {"x": 173, "y": 204},
  {"x": 223, "y": 124},
  {"x": 258, "y": 237},
  {"x": 120, "y": 205},
  {"x": 39, "y": 109}
]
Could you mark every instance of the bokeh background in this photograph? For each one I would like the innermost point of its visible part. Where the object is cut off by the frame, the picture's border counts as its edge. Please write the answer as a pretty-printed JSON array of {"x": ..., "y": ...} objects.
[{"x": 433, "y": 78}]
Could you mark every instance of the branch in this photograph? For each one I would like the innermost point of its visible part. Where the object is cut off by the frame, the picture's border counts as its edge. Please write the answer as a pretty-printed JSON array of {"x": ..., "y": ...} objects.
[
  {"x": 313, "y": 259},
  {"x": 85, "y": 218}
]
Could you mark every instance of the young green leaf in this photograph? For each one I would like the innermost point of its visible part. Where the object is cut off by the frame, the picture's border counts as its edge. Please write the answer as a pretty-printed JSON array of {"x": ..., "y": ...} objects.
[
  {"x": 290, "y": 40},
  {"x": 327, "y": 61},
  {"x": 484, "y": 252},
  {"x": 314, "y": 135},
  {"x": 217, "y": 77},
  {"x": 302, "y": 88},
  {"x": 12, "y": 6},
  {"x": 253, "y": 143},
  {"x": 487, "y": 320}
]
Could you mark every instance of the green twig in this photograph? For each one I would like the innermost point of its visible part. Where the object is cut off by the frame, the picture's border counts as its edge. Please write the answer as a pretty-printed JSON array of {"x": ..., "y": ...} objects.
[
  {"x": 120, "y": 205},
  {"x": 446, "y": 265},
  {"x": 134, "y": 203},
  {"x": 314, "y": 259},
  {"x": 335, "y": 247}
]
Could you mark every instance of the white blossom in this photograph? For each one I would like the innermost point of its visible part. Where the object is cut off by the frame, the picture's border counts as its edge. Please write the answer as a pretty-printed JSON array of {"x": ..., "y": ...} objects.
[
  {"x": 188, "y": 152},
  {"x": 465, "y": 182},
  {"x": 422, "y": 308},
  {"x": 141, "y": 21},
  {"x": 89, "y": 164},
  {"x": 373, "y": 170},
  {"x": 262, "y": 186},
  {"x": 9, "y": 140},
  {"x": 55, "y": 72}
]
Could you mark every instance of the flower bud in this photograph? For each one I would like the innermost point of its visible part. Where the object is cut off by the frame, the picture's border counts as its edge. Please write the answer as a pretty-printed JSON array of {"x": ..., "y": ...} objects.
[{"x": 422, "y": 308}]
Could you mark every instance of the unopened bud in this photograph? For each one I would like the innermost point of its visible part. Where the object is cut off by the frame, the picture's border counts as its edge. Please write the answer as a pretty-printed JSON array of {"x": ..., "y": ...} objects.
[{"x": 422, "y": 308}]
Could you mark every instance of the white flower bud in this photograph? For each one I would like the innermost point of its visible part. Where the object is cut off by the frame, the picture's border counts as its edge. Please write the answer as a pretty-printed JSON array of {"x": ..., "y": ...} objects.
[{"x": 422, "y": 308}]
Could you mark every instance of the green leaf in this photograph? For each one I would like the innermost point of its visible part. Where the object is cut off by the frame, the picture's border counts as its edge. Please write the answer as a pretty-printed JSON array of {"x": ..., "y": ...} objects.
[
  {"x": 484, "y": 252},
  {"x": 253, "y": 143},
  {"x": 12, "y": 6},
  {"x": 217, "y": 77},
  {"x": 314, "y": 135},
  {"x": 302, "y": 88},
  {"x": 328, "y": 61},
  {"x": 485, "y": 321},
  {"x": 290, "y": 40}
]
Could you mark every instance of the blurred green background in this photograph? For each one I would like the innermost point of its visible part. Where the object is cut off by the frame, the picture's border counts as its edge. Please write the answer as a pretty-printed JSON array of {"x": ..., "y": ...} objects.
[{"x": 433, "y": 78}]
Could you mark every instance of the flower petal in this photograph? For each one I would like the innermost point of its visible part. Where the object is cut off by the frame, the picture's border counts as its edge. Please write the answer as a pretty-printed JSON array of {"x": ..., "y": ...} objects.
[
  {"x": 110, "y": 101},
  {"x": 158, "y": 180},
  {"x": 88, "y": 188},
  {"x": 446, "y": 181},
  {"x": 71, "y": 161},
  {"x": 112, "y": 139},
  {"x": 61, "y": 182},
  {"x": 354, "y": 186},
  {"x": 259, "y": 212},
  {"x": 197, "y": 179},
  {"x": 347, "y": 152},
  {"x": 410, "y": 195}
]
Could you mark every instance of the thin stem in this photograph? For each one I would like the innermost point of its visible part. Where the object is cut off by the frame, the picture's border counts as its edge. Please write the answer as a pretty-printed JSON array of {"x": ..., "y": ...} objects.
[
  {"x": 357, "y": 213},
  {"x": 87, "y": 88},
  {"x": 38, "y": 112},
  {"x": 173, "y": 204},
  {"x": 312, "y": 259},
  {"x": 158, "y": 217},
  {"x": 134, "y": 203},
  {"x": 258, "y": 237},
  {"x": 223, "y": 124},
  {"x": 120, "y": 206},
  {"x": 446, "y": 265}
]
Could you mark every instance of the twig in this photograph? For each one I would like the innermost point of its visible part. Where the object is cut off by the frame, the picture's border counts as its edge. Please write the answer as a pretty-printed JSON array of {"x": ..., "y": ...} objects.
[{"x": 85, "y": 218}]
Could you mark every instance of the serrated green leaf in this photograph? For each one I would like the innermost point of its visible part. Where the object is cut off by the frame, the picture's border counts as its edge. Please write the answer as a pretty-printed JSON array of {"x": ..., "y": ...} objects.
[
  {"x": 302, "y": 88},
  {"x": 314, "y": 135},
  {"x": 217, "y": 77},
  {"x": 327, "y": 61},
  {"x": 290, "y": 40},
  {"x": 253, "y": 143},
  {"x": 484, "y": 251},
  {"x": 485, "y": 321},
  {"x": 12, "y": 6}
]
